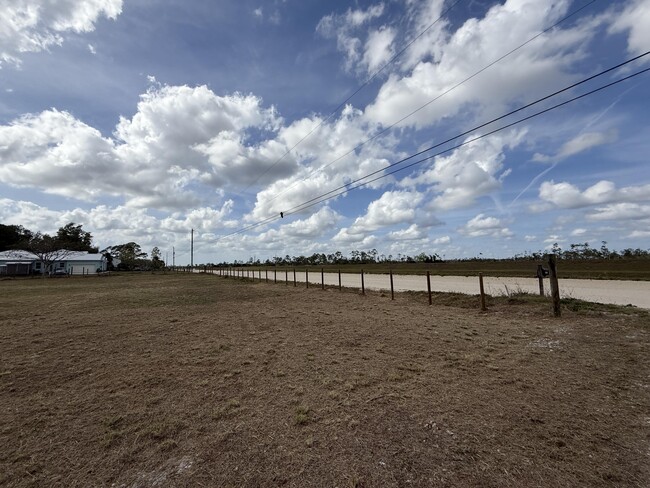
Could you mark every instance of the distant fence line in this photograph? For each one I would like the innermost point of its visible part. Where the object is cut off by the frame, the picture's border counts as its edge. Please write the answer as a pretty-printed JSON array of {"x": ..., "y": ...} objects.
[{"x": 282, "y": 275}]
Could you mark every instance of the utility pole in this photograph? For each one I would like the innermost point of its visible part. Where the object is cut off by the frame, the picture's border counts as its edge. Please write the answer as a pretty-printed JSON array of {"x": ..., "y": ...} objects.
[
  {"x": 173, "y": 256},
  {"x": 192, "y": 250}
]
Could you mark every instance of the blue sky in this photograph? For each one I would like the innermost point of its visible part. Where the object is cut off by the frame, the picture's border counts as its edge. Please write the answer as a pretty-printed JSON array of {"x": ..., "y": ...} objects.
[{"x": 142, "y": 120}]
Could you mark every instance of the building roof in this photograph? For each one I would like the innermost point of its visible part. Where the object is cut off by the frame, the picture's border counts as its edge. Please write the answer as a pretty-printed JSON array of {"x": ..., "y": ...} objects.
[
  {"x": 25, "y": 256},
  {"x": 84, "y": 256},
  {"x": 16, "y": 255}
]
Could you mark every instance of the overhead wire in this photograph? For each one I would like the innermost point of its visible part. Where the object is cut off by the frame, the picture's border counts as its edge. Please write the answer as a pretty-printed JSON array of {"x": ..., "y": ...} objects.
[
  {"x": 361, "y": 87},
  {"x": 469, "y": 141},
  {"x": 359, "y": 182},
  {"x": 421, "y": 107},
  {"x": 512, "y": 112}
]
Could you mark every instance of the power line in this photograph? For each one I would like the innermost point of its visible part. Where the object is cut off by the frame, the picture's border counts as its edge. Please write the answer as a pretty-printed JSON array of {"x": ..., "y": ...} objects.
[
  {"x": 359, "y": 182},
  {"x": 363, "y": 85},
  {"x": 386, "y": 129},
  {"x": 305, "y": 206},
  {"x": 485, "y": 124}
]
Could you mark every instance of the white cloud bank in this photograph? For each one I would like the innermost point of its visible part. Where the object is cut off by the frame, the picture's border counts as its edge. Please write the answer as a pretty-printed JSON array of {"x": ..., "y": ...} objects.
[
  {"x": 477, "y": 169},
  {"x": 112, "y": 225},
  {"x": 635, "y": 19},
  {"x": 567, "y": 196},
  {"x": 349, "y": 28},
  {"x": 37, "y": 25},
  {"x": 481, "y": 226},
  {"x": 180, "y": 136},
  {"x": 446, "y": 58}
]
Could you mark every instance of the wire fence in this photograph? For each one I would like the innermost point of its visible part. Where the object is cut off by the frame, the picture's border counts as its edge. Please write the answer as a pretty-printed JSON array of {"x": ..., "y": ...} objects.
[{"x": 362, "y": 281}]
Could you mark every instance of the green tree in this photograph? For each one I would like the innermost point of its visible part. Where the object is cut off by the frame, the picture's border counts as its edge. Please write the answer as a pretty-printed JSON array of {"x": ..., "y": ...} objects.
[
  {"x": 129, "y": 254},
  {"x": 12, "y": 236},
  {"x": 604, "y": 250},
  {"x": 47, "y": 249},
  {"x": 156, "y": 261},
  {"x": 73, "y": 237}
]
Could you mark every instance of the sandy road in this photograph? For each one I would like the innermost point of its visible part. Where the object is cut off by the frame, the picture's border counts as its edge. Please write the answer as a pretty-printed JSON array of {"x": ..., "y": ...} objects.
[{"x": 617, "y": 292}]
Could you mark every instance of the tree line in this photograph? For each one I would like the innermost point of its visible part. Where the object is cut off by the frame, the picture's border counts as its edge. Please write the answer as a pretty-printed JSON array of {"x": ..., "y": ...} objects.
[
  {"x": 354, "y": 257},
  {"x": 583, "y": 251},
  {"x": 578, "y": 251}
]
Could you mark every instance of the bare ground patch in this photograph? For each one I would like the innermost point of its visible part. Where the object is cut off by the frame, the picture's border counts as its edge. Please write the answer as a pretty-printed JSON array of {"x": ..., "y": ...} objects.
[{"x": 180, "y": 380}]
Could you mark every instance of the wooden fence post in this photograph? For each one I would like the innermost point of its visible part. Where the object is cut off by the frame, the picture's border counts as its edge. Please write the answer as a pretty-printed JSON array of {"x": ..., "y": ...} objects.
[
  {"x": 322, "y": 279},
  {"x": 275, "y": 276},
  {"x": 392, "y": 289},
  {"x": 266, "y": 274},
  {"x": 555, "y": 289},
  {"x": 339, "y": 280},
  {"x": 294, "y": 277},
  {"x": 429, "y": 287},
  {"x": 480, "y": 284},
  {"x": 363, "y": 285},
  {"x": 307, "y": 277},
  {"x": 286, "y": 277}
]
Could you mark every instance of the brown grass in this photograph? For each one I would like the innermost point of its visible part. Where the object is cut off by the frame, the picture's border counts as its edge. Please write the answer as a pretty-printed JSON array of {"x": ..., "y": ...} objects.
[{"x": 179, "y": 380}]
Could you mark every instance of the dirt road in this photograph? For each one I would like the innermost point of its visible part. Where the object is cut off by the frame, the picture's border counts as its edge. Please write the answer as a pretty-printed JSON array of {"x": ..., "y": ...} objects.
[{"x": 617, "y": 292}]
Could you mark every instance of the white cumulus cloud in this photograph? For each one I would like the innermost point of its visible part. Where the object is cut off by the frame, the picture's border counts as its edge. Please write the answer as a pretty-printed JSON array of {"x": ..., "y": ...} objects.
[
  {"x": 456, "y": 55},
  {"x": 482, "y": 225},
  {"x": 179, "y": 136},
  {"x": 567, "y": 195},
  {"x": 349, "y": 28},
  {"x": 37, "y": 25},
  {"x": 635, "y": 19},
  {"x": 393, "y": 207},
  {"x": 469, "y": 172},
  {"x": 620, "y": 212}
]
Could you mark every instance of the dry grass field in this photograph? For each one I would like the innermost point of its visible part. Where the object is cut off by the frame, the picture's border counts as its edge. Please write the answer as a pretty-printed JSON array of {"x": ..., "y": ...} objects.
[{"x": 193, "y": 380}]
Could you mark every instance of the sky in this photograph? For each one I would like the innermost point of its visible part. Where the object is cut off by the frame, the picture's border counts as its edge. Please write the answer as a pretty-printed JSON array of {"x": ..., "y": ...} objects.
[{"x": 257, "y": 123}]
